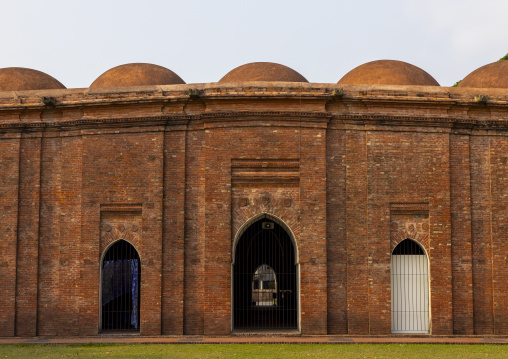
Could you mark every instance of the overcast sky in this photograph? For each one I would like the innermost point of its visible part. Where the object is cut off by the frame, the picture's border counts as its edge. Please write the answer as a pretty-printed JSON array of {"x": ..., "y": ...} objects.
[{"x": 76, "y": 41}]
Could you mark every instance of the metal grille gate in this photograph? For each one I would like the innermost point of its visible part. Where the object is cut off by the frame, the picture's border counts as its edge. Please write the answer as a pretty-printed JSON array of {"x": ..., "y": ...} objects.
[
  {"x": 265, "y": 283},
  {"x": 121, "y": 274},
  {"x": 410, "y": 288}
]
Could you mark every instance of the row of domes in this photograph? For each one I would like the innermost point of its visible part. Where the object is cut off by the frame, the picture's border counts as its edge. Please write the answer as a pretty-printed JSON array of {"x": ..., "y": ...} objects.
[{"x": 381, "y": 72}]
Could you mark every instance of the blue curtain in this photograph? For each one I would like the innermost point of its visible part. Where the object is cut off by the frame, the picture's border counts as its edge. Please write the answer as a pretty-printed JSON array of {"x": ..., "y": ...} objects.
[{"x": 134, "y": 293}]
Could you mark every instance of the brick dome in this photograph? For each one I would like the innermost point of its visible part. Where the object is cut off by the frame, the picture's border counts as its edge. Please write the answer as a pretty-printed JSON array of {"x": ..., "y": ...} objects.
[
  {"x": 263, "y": 71},
  {"x": 494, "y": 75},
  {"x": 137, "y": 74},
  {"x": 20, "y": 79},
  {"x": 388, "y": 72}
]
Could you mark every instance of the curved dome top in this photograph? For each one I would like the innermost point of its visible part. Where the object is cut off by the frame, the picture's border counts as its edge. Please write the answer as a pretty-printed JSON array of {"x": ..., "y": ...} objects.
[
  {"x": 388, "y": 72},
  {"x": 137, "y": 74},
  {"x": 263, "y": 71},
  {"x": 494, "y": 75},
  {"x": 20, "y": 79}
]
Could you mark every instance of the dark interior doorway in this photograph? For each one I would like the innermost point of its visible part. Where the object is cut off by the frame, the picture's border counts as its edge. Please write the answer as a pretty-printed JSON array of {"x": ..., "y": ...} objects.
[
  {"x": 121, "y": 276},
  {"x": 265, "y": 279}
]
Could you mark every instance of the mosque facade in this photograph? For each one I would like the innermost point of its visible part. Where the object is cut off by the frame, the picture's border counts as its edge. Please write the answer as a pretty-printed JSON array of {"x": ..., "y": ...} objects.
[{"x": 261, "y": 203}]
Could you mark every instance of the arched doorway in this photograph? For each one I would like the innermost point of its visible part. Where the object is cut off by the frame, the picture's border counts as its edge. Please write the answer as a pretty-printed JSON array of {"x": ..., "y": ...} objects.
[
  {"x": 265, "y": 292},
  {"x": 120, "y": 278},
  {"x": 410, "y": 288}
]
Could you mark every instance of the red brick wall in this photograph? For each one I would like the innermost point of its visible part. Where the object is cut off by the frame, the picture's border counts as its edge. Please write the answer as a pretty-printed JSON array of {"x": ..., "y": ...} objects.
[
  {"x": 270, "y": 141},
  {"x": 357, "y": 233},
  {"x": 312, "y": 245},
  {"x": 481, "y": 235},
  {"x": 382, "y": 168},
  {"x": 173, "y": 234},
  {"x": 403, "y": 167},
  {"x": 70, "y": 234},
  {"x": 28, "y": 234},
  {"x": 9, "y": 187},
  {"x": 460, "y": 202},
  {"x": 499, "y": 206},
  {"x": 123, "y": 168},
  {"x": 194, "y": 260},
  {"x": 336, "y": 230},
  {"x": 217, "y": 271},
  {"x": 49, "y": 240},
  {"x": 175, "y": 178}
]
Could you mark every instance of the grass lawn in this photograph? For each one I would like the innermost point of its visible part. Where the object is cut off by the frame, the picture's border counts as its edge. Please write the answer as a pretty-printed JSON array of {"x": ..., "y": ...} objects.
[{"x": 253, "y": 350}]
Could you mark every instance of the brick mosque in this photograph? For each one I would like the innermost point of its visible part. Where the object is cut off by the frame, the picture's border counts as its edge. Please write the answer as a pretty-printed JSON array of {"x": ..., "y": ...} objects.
[{"x": 261, "y": 203}]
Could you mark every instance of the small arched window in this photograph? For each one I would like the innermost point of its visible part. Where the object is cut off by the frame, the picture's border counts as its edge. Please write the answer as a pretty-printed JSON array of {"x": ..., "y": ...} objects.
[{"x": 264, "y": 286}]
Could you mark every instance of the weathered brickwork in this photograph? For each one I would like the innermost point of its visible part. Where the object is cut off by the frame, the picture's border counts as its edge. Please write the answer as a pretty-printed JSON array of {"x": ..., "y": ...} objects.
[
  {"x": 180, "y": 175},
  {"x": 194, "y": 240},
  {"x": 173, "y": 251},
  {"x": 28, "y": 234},
  {"x": 336, "y": 230},
  {"x": 481, "y": 234},
  {"x": 499, "y": 202},
  {"x": 9, "y": 189},
  {"x": 70, "y": 233},
  {"x": 357, "y": 232},
  {"x": 460, "y": 210},
  {"x": 49, "y": 243}
]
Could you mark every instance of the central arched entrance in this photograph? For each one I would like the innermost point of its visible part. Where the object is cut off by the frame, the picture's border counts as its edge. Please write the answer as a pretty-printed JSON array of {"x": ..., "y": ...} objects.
[{"x": 265, "y": 291}]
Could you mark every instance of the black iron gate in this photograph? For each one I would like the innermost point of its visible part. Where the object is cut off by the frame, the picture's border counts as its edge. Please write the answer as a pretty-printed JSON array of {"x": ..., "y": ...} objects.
[
  {"x": 121, "y": 275},
  {"x": 265, "y": 281}
]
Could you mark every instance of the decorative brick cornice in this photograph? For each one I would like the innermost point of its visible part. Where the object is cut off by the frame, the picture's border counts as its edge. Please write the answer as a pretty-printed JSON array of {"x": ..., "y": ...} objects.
[
  {"x": 448, "y": 122},
  {"x": 86, "y": 122},
  {"x": 285, "y": 114},
  {"x": 422, "y": 120}
]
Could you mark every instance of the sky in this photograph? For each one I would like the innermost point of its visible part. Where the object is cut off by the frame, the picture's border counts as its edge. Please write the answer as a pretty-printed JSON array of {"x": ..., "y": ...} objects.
[{"x": 76, "y": 41}]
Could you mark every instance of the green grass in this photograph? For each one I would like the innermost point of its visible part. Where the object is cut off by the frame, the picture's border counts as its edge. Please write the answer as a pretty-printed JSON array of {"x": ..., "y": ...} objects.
[{"x": 253, "y": 350}]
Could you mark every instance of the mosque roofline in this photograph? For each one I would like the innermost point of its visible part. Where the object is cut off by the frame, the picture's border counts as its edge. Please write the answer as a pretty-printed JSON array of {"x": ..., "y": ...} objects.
[{"x": 209, "y": 91}]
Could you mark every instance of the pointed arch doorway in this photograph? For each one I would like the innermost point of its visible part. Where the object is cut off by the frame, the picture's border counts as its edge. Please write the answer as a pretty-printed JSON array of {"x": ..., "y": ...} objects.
[
  {"x": 120, "y": 278},
  {"x": 265, "y": 289}
]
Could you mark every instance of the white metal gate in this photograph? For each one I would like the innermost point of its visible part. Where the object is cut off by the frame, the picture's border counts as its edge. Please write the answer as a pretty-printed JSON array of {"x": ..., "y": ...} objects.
[{"x": 410, "y": 288}]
